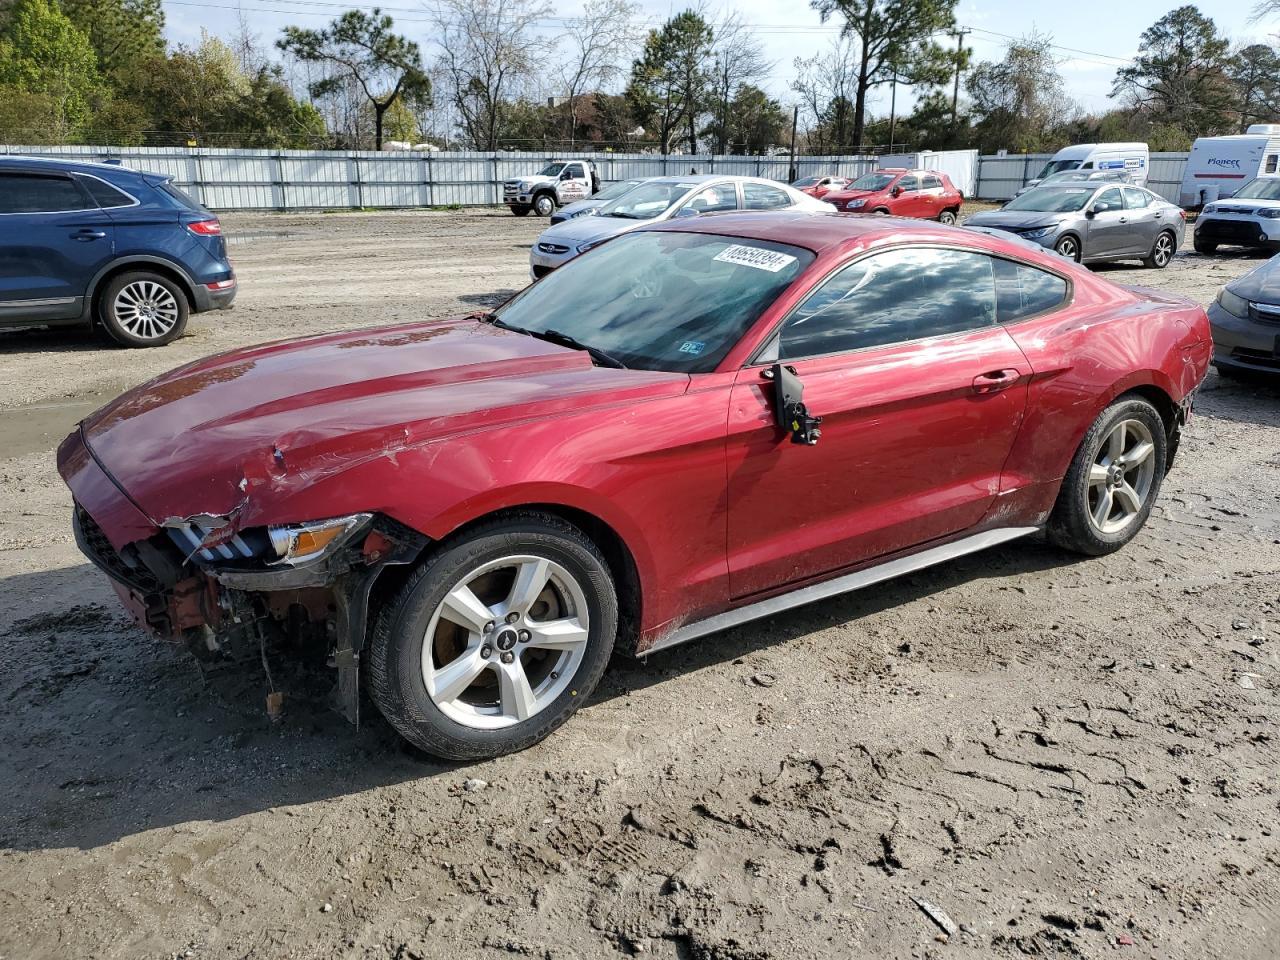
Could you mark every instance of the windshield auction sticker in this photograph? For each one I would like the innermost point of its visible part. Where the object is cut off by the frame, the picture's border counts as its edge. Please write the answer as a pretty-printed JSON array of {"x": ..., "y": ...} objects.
[{"x": 756, "y": 257}]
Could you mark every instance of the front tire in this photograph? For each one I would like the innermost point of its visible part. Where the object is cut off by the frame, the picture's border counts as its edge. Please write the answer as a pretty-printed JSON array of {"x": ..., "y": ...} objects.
[
  {"x": 1068, "y": 247},
  {"x": 520, "y": 211},
  {"x": 1207, "y": 247},
  {"x": 1161, "y": 251},
  {"x": 143, "y": 309},
  {"x": 544, "y": 205},
  {"x": 496, "y": 639},
  {"x": 1113, "y": 480}
]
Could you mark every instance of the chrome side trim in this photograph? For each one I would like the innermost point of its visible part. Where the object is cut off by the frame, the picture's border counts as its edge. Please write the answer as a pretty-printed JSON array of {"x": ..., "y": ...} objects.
[
  {"x": 47, "y": 302},
  {"x": 830, "y": 588}
]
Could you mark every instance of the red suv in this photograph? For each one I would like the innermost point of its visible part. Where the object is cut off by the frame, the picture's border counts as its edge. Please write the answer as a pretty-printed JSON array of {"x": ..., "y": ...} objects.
[{"x": 924, "y": 194}]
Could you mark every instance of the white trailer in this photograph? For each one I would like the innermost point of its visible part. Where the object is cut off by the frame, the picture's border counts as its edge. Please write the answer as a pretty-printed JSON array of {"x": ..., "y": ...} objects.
[
  {"x": 1219, "y": 166},
  {"x": 960, "y": 165}
]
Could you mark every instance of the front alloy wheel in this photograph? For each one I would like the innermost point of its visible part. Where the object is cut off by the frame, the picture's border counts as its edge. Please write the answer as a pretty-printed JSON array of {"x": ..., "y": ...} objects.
[
  {"x": 1068, "y": 247},
  {"x": 496, "y": 639}
]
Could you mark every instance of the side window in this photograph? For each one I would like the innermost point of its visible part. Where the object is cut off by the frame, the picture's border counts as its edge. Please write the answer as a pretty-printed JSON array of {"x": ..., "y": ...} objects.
[
  {"x": 713, "y": 199},
  {"x": 909, "y": 183},
  {"x": 1087, "y": 165},
  {"x": 893, "y": 297},
  {"x": 1271, "y": 163},
  {"x": 1135, "y": 199},
  {"x": 105, "y": 194},
  {"x": 1108, "y": 200},
  {"x": 932, "y": 183},
  {"x": 574, "y": 171},
  {"x": 1022, "y": 290},
  {"x": 761, "y": 196},
  {"x": 25, "y": 193}
]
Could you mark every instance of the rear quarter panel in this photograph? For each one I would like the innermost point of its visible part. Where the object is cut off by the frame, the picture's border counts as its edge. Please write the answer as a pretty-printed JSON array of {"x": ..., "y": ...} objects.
[{"x": 1109, "y": 341}]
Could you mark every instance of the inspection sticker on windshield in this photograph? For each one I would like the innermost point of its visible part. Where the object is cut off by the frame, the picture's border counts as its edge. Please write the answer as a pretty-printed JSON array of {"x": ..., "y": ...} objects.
[
  {"x": 757, "y": 257},
  {"x": 693, "y": 346}
]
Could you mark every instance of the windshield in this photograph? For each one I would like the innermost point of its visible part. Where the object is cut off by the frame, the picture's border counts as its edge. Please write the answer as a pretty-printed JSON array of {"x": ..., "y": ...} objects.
[
  {"x": 1055, "y": 166},
  {"x": 872, "y": 181},
  {"x": 615, "y": 190},
  {"x": 1263, "y": 188},
  {"x": 660, "y": 300},
  {"x": 1052, "y": 199},
  {"x": 806, "y": 182},
  {"x": 647, "y": 200},
  {"x": 551, "y": 170}
]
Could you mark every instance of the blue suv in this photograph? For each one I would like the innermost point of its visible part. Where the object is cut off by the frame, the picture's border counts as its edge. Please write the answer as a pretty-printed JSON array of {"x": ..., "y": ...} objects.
[{"x": 88, "y": 242}]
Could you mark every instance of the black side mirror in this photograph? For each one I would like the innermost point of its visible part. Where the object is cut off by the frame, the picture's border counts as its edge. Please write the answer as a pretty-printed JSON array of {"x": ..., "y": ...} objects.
[
  {"x": 1090, "y": 213},
  {"x": 788, "y": 406},
  {"x": 897, "y": 191}
]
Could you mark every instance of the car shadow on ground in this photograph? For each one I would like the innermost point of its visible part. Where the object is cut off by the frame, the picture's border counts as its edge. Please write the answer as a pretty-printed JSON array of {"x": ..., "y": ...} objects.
[
  {"x": 112, "y": 735},
  {"x": 73, "y": 339}
]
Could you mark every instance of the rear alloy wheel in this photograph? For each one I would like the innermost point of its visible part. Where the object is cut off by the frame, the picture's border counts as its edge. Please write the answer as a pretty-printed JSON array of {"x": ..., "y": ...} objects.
[
  {"x": 1113, "y": 480},
  {"x": 544, "y": 205},
  {"x": 1161, "y": 252},
  {"x": 143, "y": 309},
  {"x": 948, "y": 217},
  {"x": 496, "y": 640},
  {"x": 1068, "y": 247}
]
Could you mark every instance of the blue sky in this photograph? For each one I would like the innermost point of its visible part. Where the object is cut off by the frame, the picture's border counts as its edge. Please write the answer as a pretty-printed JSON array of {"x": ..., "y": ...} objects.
[{"x": 1093, "y": 36}]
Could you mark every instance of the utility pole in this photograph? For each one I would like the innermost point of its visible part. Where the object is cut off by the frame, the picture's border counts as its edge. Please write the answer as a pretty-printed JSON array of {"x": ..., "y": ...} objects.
[
  {"x": 893, "y": 106},
  {"x": 795, "y": 120},
  {"x": 955, "y": 93}
]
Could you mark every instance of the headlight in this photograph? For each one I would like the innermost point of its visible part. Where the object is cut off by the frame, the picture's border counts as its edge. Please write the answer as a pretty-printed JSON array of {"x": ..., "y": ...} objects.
[
  {"x": 300, "y": 542},
  {"x": 1270, "y": 213},
  {"x": 1210, "y": 209},
  {"x": 855, "y": 204},
  {"x": 1236, "y": 306},
  {"x": 1038, "y": 234},
  {"x": 524, "y": 187},
  {"x": 584, "y": 247}
]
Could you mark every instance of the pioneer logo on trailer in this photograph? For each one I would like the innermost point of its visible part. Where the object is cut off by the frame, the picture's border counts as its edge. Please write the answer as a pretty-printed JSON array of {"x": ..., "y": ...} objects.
[{"x": 1215, "y": 162}]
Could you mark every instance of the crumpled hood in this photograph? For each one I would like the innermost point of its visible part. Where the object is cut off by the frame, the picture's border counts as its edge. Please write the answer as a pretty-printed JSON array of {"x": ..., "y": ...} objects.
[
  {"x": 1262, "y": 284},
  {"x": 844, "y": 196},
  {"x": 1014, "y": 219},
  {"x": 262, "y": 423}
]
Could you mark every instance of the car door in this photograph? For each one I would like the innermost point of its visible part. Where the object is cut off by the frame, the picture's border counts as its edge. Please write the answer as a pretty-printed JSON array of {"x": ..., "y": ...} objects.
[
  {"x": 1146, "y": 219},
  {"x": 763, "y": 196},
  {"x": 931, "y": 196},
  {"x": 907, "y": 201},
  {"x": 1109, "y": 233},
  {"x": 574, "y": 183},
  {"x": 53, "y": 240},
  {"x": 921, "y": 394}
]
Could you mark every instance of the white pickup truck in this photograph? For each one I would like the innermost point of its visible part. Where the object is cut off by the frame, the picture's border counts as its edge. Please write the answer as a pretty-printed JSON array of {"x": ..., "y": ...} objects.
[{"x": 565, "y": 181}]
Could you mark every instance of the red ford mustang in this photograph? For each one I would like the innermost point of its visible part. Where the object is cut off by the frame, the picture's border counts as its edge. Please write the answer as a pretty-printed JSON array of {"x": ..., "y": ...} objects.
[{"x": 692, "y": 426}]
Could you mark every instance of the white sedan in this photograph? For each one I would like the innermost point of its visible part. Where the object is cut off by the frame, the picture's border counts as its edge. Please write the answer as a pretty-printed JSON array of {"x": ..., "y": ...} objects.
[{"x": 663, "y": 198}]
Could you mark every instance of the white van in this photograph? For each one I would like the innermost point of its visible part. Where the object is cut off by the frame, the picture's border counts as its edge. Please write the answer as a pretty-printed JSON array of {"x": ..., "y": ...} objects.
[
  {"x": 1219, "y": 166},
  {"x": 1132, "y": 157}
]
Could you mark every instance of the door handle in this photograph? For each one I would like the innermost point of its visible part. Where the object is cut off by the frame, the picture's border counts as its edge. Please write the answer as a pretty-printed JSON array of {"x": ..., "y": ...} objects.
[
  {"x": 1124, "y": 219},
  {"x": 87, "y": 235},
  {"x": 996, "y": 380}
]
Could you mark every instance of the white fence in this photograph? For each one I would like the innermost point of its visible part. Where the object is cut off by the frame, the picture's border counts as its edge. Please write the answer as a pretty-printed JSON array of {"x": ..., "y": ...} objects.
[
  {"x": 1000, "y": 177},
  {"x": 320, "y": 179}
]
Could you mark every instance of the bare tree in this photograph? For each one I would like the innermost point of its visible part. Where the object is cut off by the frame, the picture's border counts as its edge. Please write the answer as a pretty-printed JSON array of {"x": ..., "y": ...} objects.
[
  {"x": 739, "y": 59},
  {"x": 827, "y": 84},
  {"x": 490, "y": 52},
  {"x": 595, "y": 49}
]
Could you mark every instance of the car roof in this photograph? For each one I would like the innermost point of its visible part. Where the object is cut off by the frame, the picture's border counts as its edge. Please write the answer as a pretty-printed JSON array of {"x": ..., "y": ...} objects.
[
  {"x": 73, "y": 166},
  {"x": 817, "y": 230}
]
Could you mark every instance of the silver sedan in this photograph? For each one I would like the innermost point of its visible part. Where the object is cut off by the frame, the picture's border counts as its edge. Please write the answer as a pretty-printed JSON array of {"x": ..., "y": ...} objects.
[{"x": 1091, "y": 222}]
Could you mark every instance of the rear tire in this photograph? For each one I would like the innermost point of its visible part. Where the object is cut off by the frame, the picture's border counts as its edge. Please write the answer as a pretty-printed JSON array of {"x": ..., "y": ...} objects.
[
  {"x": 476, "y": 622},
  {"x": 1207, "y": 247},
  {"x": 143, "y": 309},
  {"x": 1113, "y": 480},
  {"x": 947, "y": 217},
  {"x": 1161, "y": 251}
]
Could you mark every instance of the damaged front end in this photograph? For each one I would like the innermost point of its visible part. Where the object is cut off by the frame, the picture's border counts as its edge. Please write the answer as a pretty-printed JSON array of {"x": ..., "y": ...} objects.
[{"x": 202, "y": 582}]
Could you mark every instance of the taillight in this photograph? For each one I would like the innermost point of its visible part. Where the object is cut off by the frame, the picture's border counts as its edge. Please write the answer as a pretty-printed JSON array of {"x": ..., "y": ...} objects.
[{"x": 206, "y": 228}]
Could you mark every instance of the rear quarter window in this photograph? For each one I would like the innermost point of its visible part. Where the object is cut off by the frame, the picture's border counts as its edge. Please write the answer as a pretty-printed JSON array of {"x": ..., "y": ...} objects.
[{"x": 1023, "y": 291}]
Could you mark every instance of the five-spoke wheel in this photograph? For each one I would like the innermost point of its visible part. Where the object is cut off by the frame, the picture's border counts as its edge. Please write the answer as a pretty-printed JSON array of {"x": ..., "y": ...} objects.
[
  {"x": 496, "y": 639},
  {"x": 1121, "y": 475}
]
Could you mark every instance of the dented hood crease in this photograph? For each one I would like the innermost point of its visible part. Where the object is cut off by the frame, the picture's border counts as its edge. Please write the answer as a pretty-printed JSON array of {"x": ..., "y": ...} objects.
[{"x": 229, "y": 435}]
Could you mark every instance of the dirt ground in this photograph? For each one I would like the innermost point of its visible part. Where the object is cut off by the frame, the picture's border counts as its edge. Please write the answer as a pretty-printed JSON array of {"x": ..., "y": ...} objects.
[{"x": 1068, "y": 757}]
